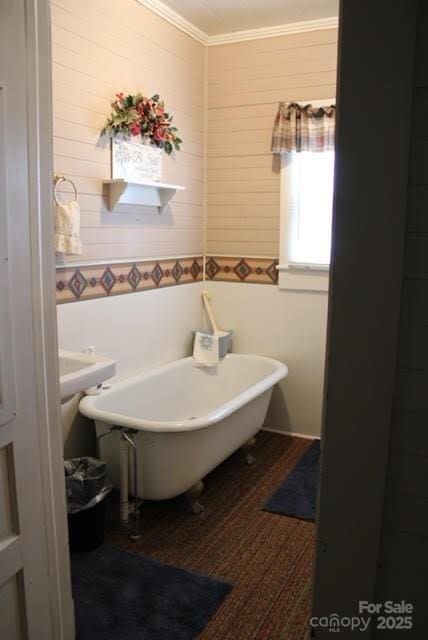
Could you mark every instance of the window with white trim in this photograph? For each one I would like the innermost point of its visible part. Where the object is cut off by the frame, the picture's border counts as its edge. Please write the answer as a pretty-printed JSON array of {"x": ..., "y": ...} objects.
[
  {"x": 307, "y": 181},
  {"x": 309, "y": 201}
]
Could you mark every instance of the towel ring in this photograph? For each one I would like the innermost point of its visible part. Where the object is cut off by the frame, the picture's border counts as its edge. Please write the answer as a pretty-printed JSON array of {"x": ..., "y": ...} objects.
[{"x": 58, "y": 180}]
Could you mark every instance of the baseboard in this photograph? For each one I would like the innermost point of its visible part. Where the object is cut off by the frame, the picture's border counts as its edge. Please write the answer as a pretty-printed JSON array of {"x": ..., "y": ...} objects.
[{"x": 291, "y": 433}]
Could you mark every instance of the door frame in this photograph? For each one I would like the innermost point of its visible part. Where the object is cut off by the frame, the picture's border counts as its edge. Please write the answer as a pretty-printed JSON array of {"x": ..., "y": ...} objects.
[
  {"x": 374, "y": 105},
  {"x": 42, "y": 282}
]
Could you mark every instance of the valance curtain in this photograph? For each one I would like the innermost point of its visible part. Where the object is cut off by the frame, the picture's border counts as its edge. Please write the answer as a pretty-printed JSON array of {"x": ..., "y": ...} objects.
[{"x": 303, "y": 128}]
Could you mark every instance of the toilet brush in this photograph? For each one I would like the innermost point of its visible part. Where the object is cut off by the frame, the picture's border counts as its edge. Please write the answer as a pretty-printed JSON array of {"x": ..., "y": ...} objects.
[{"x": 207, "y": 302}]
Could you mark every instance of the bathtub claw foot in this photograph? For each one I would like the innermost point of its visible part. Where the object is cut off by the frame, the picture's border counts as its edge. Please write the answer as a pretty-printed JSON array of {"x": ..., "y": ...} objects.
[
  {"x": 192, "y": 496},
  {"x": 197, "y": 507},
  {"x": 134, "y": 537},
  {"x": 249, "y": 458}
]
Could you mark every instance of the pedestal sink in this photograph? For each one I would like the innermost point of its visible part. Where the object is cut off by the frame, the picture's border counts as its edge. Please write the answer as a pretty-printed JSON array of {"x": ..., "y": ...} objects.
[{"x": 80, "y": 371}]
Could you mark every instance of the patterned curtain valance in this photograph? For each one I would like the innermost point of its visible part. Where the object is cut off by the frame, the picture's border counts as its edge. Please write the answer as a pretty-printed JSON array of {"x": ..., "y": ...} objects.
[{"x": 303, "y": 128}]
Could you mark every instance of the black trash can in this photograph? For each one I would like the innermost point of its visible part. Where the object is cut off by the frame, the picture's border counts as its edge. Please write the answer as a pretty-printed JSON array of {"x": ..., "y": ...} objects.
[{"x": 87, "y": 487}]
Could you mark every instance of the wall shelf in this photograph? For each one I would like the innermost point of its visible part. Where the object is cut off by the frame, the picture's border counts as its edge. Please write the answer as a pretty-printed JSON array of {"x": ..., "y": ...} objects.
[{"x": 152, "y": 194}]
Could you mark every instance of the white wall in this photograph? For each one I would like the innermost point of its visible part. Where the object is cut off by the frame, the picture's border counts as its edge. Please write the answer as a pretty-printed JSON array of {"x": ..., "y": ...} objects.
[
  {"x": 138, "y": 330},
  {"x": 289, "y": 326}
]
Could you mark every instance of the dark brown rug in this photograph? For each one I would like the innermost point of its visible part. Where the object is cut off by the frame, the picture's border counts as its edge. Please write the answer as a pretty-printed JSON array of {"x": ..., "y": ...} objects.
[{"x": 267, "y": 557}]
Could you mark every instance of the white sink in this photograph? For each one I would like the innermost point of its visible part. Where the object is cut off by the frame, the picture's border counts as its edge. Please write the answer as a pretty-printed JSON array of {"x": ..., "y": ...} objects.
[{"x": 79, "y": 371}]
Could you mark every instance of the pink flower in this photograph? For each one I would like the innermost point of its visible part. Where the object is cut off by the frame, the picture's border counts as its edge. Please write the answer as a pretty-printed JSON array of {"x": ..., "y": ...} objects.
[
  {"x": 138, "y": 115},
  {"x": 135, "y": 128},
  {"x": 159, "y": 134}
]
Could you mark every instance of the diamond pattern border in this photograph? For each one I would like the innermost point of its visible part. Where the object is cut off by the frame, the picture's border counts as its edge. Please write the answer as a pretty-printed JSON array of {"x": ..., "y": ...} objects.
[
  {"x": 108, "y": 280},
  {"x": 241, "y": 269},
  {"x": 212, "y": 268},
  {"x": 177, "y": 271},
  {"x": 157, "y": 274},
  {"x": 272, "y": 271},
  {"x": 134, "y": 277},
  {"x": 98, "y": 281},
  {"x": 77, "y": 284},
  {"x": 195, "y": 269}
]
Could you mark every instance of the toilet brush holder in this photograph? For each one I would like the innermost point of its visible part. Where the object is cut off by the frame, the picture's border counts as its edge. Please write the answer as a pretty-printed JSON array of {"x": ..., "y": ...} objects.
[{"x": 224, "y": 341}]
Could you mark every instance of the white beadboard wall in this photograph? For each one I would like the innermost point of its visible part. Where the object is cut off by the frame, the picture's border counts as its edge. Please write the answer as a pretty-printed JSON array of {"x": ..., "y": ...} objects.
[
  {"x": 403, "y": 572},
  {"x": 100, "y": 48},
  {"x": 246, "y": 80}
]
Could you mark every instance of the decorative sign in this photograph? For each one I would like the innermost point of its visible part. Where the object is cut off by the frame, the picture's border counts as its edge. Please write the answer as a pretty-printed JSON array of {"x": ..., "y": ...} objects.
[{"x": 136, "y": 162}]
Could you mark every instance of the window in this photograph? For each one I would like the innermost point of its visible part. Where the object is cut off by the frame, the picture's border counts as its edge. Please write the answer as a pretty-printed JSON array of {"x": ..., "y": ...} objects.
[
  {"x": 306, "y": 214},
  {"x": 310, "y": 201}
]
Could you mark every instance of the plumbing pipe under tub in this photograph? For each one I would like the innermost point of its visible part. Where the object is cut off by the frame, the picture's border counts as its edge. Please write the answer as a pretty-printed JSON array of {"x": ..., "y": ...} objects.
[{"x": 124, "y": 480}]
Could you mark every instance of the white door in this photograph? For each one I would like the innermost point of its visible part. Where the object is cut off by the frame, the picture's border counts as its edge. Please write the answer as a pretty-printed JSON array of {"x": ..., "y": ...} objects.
[{"x": 29, "y": 583}]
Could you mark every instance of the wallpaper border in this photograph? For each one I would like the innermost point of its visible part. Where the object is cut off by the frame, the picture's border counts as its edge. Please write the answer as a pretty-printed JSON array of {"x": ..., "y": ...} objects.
[{"x": 75, "y": 283}]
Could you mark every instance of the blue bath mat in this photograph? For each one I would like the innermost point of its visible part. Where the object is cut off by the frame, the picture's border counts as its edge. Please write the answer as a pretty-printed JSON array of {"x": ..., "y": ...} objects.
[
  {"x": 297, "y": 495},
  {"x": 123, "y": 596}
]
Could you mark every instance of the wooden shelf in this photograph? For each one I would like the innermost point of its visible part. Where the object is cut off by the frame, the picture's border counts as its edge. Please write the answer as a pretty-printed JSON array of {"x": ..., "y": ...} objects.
[{"x": 151, "y": 194}]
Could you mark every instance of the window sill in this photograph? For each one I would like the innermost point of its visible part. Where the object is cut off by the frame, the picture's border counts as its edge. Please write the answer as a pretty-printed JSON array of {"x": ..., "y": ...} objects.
[{"x": 303, "y": 278}]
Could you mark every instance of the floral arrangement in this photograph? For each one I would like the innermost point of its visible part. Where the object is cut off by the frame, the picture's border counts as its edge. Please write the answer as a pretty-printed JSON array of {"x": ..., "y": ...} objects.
[{"x": 135, "y": 115}]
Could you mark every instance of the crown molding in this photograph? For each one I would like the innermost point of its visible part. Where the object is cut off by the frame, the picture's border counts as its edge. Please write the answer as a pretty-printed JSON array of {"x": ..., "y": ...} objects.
[
  {"x": 174, "y": 18},
  {"x": 271, "y": 32}
]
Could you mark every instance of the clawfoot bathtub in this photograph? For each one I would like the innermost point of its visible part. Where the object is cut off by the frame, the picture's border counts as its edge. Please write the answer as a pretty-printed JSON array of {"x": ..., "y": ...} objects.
[{"x": 188, "y": 420}]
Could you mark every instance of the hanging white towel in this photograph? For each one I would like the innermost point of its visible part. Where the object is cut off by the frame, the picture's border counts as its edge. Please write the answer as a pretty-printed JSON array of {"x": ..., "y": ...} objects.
[
  {"x": 67, "y": 228},
  {"x": 205, "y": 350}
]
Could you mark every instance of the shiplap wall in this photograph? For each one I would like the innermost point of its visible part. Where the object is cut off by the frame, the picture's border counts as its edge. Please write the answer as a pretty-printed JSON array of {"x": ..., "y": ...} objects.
[
  {"x": 100, "y": 48},
  {"x": 245, "y": 83},
  {"x": 403, "y": 571}
]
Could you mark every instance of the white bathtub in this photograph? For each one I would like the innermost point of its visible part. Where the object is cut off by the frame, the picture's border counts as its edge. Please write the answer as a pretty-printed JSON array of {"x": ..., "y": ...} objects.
[{"x": 190, "y": 419}]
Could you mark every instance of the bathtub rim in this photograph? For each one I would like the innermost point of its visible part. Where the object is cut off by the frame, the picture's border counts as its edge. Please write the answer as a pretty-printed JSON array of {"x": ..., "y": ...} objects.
[{"x": 88, "y": 408}]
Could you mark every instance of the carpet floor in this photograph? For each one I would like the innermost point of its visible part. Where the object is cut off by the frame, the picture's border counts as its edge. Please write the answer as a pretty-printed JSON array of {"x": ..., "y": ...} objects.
[{"x": 267, "y": 557}]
